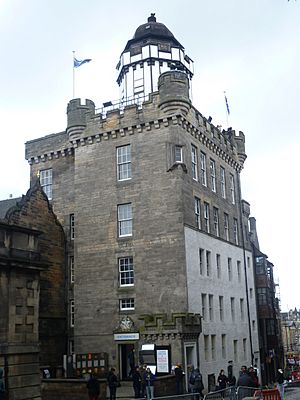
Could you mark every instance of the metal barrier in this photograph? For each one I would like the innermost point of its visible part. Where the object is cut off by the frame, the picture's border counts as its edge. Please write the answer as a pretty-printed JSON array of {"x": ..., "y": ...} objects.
[
  {"x": 226, "y": 394},
  {"x": 267, "y": 394}
]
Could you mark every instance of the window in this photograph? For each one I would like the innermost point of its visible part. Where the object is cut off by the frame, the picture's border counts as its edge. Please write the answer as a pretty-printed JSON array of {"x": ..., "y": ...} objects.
[
  {"x": 235, "y": 231},
  {"x": 178, "y": 154},
  {"x": 213, "y": 347},
  {"x": 212, "y": 165},
  {"x": 72, "y": 313},
  {"x": 216, "y": 221},
  {"x": 71, "y": 347},
  {"x": 221, "y": 308},
  {"x": 223, "y": 343},
  {"x": 245, "y": 349},
  {"x": 211, "y": 307},
  {"x": 223, "y": 182},
  {"x": 201, "y": 260},
  {"x": 262, "y": 296},
  {"x": 197, "y": 213},
  {"x": 251, "y": 293},
  {"x": 72, "y": 226},
  {"x": 248, "y": 262},
  {"x": 46, "y": 182},
  {"x": 229, "y": 266},
  {"x": 232, "y": 308},
  {"x": 125, "y": 220},
  {"x": 126, "y": 273},
  {"x": 208, "y": 263},
  {"x": 238, "y": 267},
  {"x": 203, "y": 169},
  {"x": 206, "y": 217},
  {"x": 194, "y": 163},
  {"x": 218, "y": 262},
  {"x": 242, "y": 309},
  {"x": 260, "y": 266},
  {"x": 71, "y": 266},
  {"x": 253, "y": 325},
  {"x": 226, "y": 226},
  {"x": 206, "y": 341},
  {"x": 127, "y": 304},
  {"x": 203, "y": 304},
  {"x": 235, "y": 350},
  {"x": 232, "y": 189},
  {"x": 124, "y": 162},
  {"x": 271, "y": 331}
]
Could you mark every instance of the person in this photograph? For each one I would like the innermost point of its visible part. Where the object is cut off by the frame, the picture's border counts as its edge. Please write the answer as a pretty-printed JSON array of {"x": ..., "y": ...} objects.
[
  {"x": 178, "y": 371},
  {"x": 231, "y": 384},
  {"x": 136, "y": 381},
  {"x": 222, "y": 382},
  {"x": 2, "y": 387},
  {"x": 93, "y": 387},
  {"x": 143, "y": 383},
  {"x": 253, "y": 375},
  {"x": 149, "y": 381},
  {"x": 245, "y": 382},
  {"x": 280, "y": 383},
  {"x": 196, "y": 383},
  {"x": 112, "y": 382},
  {"x": 131, "y": 361}
]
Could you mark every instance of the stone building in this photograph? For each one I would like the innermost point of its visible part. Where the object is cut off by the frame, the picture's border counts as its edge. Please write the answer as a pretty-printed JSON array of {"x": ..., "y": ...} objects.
[
  {"x": 148, "y": 193},
  {"x": 32, "y": 291}
]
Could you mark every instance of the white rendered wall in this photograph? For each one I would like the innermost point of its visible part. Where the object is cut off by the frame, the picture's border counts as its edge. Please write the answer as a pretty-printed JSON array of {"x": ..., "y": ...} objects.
[{"x": 221, "y": 286}]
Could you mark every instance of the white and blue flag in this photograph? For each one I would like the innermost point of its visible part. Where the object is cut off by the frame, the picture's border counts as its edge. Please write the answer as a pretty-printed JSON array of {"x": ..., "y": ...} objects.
[{"x": 78, "y": 63}]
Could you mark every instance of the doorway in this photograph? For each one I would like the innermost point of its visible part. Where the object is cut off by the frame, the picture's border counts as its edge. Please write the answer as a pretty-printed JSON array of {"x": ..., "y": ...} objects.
[
  {"x": 127, "y": 359},
  {"x": 190, "y": 359}
]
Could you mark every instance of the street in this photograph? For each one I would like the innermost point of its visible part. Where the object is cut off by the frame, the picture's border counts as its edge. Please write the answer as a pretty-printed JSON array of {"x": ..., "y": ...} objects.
[{"x": 292, "y": 393}]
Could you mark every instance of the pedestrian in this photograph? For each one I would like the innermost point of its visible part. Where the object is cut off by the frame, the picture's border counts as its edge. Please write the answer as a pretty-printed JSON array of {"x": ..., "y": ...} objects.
[
  {"x": 2, "y": 387},
  {"x": 179, "y": 378},
  {"x": 143, "y": 383},
  {"x": 231, "y": 384},
  {"x": 136, "y": 382},
  {"x": 112, "y": 381},
  {"x": 245, "y": 383},
  {"x": 253, "y": 375},
  {"x": 149, "y": 381},
  {"x": 280, "y": 383},
  {"x": 196, "y": 383},
  {"x": 222, "y": 382},
  {"x": 93, "y": 387}
]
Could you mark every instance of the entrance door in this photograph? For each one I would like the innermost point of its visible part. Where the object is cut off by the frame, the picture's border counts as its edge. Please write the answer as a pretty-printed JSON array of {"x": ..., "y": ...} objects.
[
  {"x": 190, "y": 359},
  {"x": 127, "y": 360}
]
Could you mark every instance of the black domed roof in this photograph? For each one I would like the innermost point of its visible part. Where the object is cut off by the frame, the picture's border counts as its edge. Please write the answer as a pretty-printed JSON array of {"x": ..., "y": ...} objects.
[{"x": 153, "y": 29}]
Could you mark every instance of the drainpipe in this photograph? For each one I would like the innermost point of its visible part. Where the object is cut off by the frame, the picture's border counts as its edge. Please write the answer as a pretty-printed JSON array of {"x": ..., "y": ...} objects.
[{"x": 245, "y": 263}]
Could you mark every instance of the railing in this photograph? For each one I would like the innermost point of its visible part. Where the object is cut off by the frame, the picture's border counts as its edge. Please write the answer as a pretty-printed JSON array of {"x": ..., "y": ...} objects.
[{"x": 120, "y": 104}]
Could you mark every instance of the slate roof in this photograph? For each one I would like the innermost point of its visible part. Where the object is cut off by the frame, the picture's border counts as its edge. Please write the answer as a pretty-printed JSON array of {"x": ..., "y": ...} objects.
[{"x": 5, "y": 205}]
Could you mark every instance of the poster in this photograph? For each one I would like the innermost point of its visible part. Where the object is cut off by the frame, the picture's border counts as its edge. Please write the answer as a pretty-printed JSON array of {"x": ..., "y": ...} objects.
[{"x": 162, "y": 361}]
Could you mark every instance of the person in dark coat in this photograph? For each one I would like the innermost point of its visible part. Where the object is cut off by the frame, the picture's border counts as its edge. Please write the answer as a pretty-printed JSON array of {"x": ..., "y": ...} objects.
[
  {"x": 149, "y": 381},
  {"x": 222, "y": 382},
  {"x": 112, "y": 381},
  {"x": 136, "y": 382},
  {"x": 245, "y": 382},
  {"x": 179, "y": 378},
  {"x": 280, "y": 383},
  {"x": 143, "y": 383},
  {"x": 93, "y": 387},
  {"x": 131, "y": 360},
  {"x": 196, "y": 382}
]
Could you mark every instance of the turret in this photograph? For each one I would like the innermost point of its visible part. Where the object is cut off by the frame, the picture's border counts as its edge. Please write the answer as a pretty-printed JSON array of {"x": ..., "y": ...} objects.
[
  {"x": 152, "y": 51},
  {"x": 173, "y": 89},
  {"x": 77, "y": 115}
]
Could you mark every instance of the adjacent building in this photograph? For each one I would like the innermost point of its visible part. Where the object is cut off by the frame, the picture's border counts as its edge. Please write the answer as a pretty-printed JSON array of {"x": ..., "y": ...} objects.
[{"x": 148, "y": 192}]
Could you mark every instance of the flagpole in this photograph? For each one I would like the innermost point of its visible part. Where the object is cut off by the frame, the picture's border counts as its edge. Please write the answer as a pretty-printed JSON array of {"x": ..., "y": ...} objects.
[{"x": 73, "y": 75}]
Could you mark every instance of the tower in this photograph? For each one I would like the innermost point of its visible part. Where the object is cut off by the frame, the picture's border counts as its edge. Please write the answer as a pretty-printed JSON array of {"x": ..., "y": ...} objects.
[
  {"x": 149, "y": 198},
  {"x": 152, "y": 51}
]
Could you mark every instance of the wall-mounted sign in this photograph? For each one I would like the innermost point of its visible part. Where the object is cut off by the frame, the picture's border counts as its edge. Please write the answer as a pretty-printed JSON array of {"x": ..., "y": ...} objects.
[{"x": 126, "y": 336}]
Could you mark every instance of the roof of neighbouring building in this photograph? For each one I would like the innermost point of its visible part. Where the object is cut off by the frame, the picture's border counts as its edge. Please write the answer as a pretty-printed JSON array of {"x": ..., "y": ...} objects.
[{"x": 5, "y": 205}]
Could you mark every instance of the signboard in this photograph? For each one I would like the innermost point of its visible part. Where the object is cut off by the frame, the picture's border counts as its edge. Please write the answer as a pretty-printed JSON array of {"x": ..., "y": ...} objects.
[
  {"x": 162, "y": 360},
  {"x": 126, "y": 336}
]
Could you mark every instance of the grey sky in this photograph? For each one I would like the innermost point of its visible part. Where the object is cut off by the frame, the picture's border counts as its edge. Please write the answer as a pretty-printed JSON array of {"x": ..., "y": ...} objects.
[{"x": 250, "y": 48}]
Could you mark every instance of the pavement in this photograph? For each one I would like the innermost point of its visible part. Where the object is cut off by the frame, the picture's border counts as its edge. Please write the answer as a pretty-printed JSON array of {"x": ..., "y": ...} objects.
[{"x": 292, "y": 393}]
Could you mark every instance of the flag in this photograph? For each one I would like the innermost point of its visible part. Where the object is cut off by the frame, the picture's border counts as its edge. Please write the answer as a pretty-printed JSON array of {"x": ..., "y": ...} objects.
[
  {"x": 226, "y": 102},
  {"x": 78, "y": 63}
]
